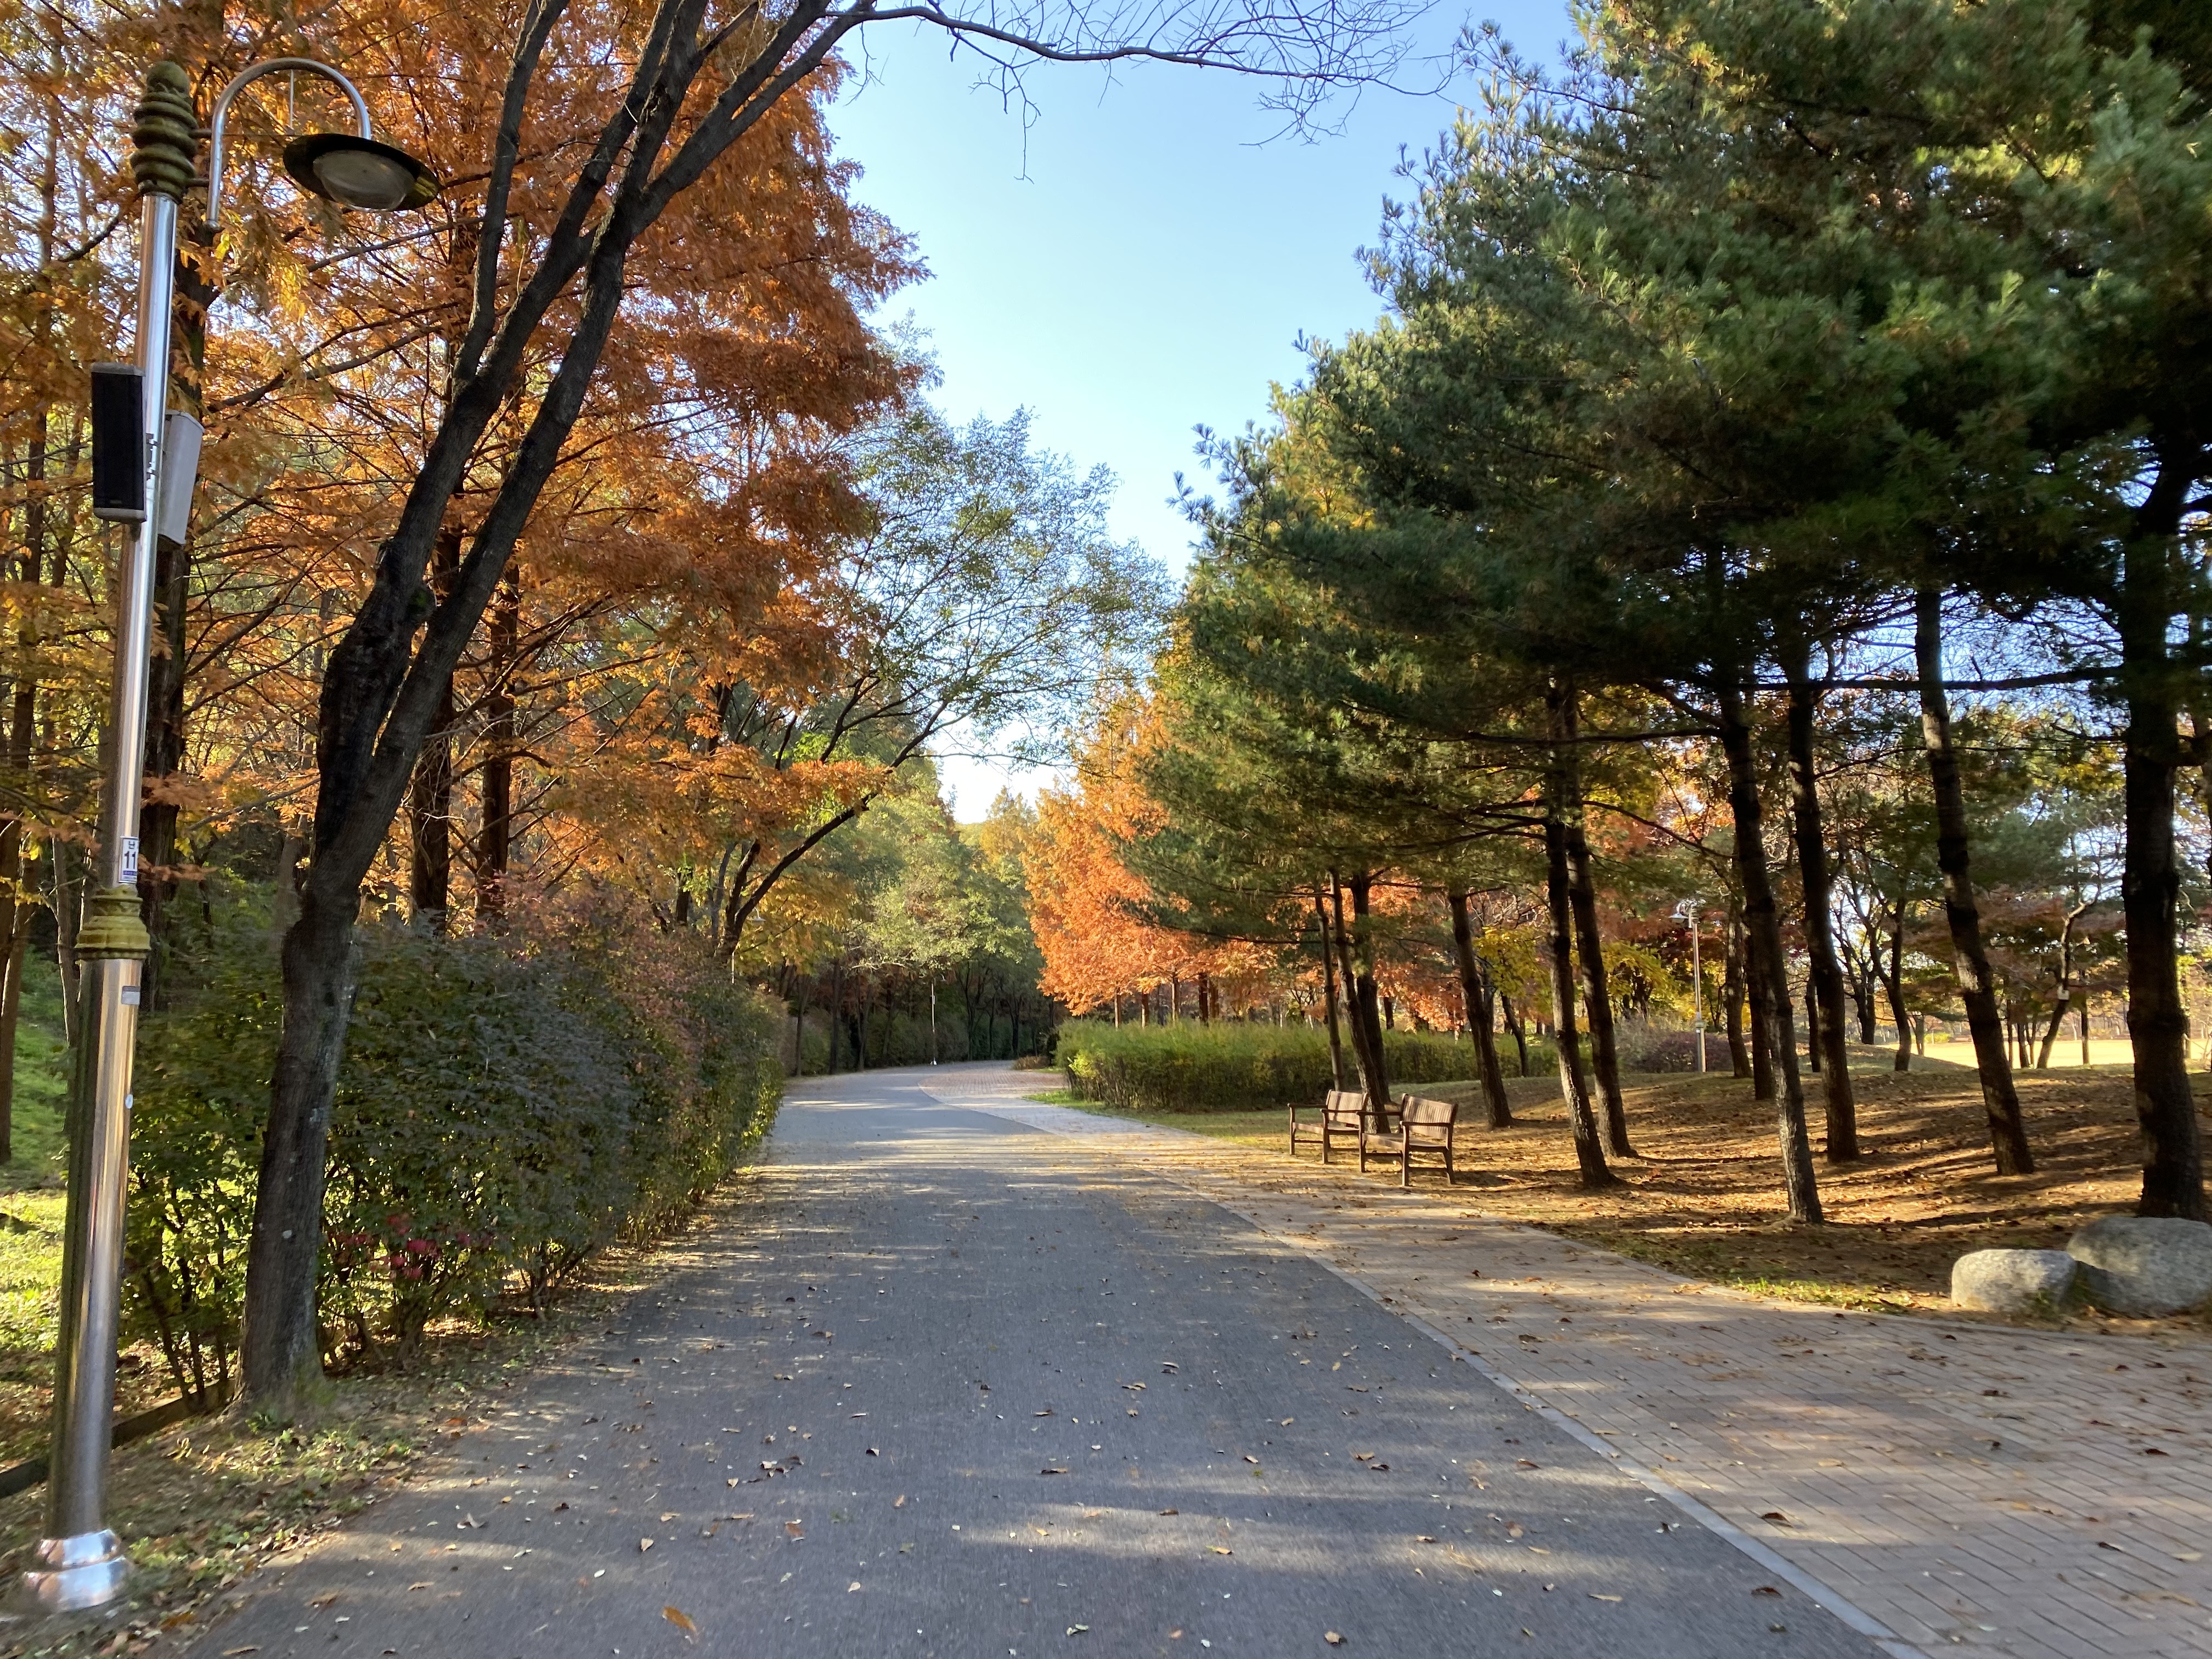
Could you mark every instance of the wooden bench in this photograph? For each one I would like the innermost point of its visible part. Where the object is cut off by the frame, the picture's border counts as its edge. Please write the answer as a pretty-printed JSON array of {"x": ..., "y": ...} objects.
[
  {"x": 1335, "y": 1121},
  {"x": 1423, "y": 1128}
]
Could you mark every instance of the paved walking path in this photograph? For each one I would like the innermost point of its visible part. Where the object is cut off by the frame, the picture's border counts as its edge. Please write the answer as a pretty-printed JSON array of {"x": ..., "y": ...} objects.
[
  {"x": 935, "y": 1384},
  {"x": 2043, "y": 1495}
]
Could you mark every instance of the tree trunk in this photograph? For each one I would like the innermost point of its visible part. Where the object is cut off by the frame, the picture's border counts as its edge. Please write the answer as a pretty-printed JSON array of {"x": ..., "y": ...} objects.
[
  {"x": 165, "y": 681},
  {"x": 1581, "y": 894},
  {"x": 1516, "y": 1028},
  {"x": 1479, "y": 995},
  {"x": 836, "y": 1010},
  {"x": 281, "y": 1359},
  {"x": 430, "y": 823},
  {"x": 1970, "y": 962},
  {"x": 1356, "y": 947},
  {"x": 1768, "y": 975},
  {"x": 1328, "y": 990},
  {"x": 2158, "y": 1020},
  {"x": 1732, "y": 994},
  {"x": 496, "y": 790},
  {"x": 1582, "y": 1116},
  {"x": 1829, "y": 1035}
]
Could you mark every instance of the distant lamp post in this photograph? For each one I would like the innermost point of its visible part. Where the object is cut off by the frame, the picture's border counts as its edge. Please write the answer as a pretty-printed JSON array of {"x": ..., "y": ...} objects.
[
  {"x": 80, "y": 1562},
  {"x": 1687, "y": 910}
]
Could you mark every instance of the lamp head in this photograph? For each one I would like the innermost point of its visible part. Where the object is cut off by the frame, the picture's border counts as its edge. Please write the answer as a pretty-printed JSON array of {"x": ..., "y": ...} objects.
[{"x": 359, "y": 172}]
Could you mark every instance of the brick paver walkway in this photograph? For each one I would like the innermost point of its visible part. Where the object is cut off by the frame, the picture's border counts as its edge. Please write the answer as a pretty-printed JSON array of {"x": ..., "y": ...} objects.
[{"x": 2047, "y": 1495}]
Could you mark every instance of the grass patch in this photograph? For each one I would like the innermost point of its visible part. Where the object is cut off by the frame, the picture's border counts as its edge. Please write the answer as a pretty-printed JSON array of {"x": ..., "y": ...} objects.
[{"x": 39, "y": 1149}]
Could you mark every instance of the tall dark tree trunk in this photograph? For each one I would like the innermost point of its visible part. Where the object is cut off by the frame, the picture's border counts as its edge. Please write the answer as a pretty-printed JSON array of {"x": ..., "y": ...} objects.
[
  {"x": 1364, "y": 999},
  {"x": 1581, "y": 893},
  {"x": 1976, "y": 988},
  {"x": 2158, "y": 1019},
  {"x": 1480, "y": 996},
  {"x": 1582, "y": 1115},
  {"x": 1328, "y": 990},
  {"x": 281, "y": 1359},
  {"x": 165, "y": 679},
  {"x": 1768, "y": 969},
  {"x": 496, "y": 788},
  {"x": 1732, "y": 996},
  {"x": 1830, "y": 1034},
  {"x": 1892, "y": 982},
  {"x": 836, "y": 1009},
  {"x": 2150, "y": 873}
]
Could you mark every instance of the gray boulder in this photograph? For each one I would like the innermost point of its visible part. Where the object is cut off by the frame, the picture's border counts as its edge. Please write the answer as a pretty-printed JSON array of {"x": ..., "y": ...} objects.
[
  {"x": 2145, "y": 1267},
  {"x": 2032, "y": 1282}
]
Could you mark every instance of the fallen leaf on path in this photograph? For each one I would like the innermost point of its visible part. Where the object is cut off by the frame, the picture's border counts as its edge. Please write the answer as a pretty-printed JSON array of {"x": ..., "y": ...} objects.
[
  {"x": 229, "y": 1652},
  {"x": 1766, "y": 1589},
  {"x": 668, "y": 1515},
  {"x": 1046, "y": 1412},
  {"x": 1422, "y": 1538},
  {"x": 425, "y": 1584},
  {"x": 1331, "y": 1638},
  {"x": 899, "y": 1503},
  {"x": 1171, "y": 1511},
  {"x": 1167, "y": 1369},
  {"x": 1286, "y": 1422},
  {"x": 1051, "y": 1471},
  {"x": 1221, "y": 1549},
  {"x": 1524, "y": 1463},
  {"x": 1775, "y": 1516},
  {"x": 796, "y": 1528},
  {"x": 1594, "y": 1598},
  {"x": 643, "y": 1544},
  {"x": 850, "y": 1588},
  {"x": 677, "y": 1617},
  {"x": 324, "y": 1600},
  {"x": 1134, "y": 1387}
]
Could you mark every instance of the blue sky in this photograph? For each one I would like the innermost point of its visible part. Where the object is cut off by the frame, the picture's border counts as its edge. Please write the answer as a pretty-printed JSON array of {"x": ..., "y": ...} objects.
[{"x": 1136, "y": 254}]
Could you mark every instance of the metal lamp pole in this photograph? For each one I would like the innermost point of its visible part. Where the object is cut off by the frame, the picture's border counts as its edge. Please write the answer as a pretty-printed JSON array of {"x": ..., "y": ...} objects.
[
  {"x": 1687, "y": 910},
  {"x": 80, "y": 1562}
]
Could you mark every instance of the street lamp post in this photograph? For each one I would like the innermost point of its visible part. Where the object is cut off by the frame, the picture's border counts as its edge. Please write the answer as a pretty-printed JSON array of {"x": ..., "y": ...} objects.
[
  {"x": 80, "y": 1562},
  {"x": 1687, "y": 910}
]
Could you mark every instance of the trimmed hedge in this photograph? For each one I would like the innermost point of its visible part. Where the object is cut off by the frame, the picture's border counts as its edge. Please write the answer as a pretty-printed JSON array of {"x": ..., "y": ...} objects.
[
  {"x": 1231, "y": 1066},
  {"x": 505, "y": 1109}
]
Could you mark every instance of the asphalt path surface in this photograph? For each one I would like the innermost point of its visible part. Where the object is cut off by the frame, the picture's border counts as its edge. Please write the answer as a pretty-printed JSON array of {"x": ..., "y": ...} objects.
[{"x": 949, "y": 1386}]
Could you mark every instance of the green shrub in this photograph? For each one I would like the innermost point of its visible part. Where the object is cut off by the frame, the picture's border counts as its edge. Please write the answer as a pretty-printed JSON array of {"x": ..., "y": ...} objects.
[
  {"x": 1232, "y": 1067},
  {"x": 505, "y": 1109}
]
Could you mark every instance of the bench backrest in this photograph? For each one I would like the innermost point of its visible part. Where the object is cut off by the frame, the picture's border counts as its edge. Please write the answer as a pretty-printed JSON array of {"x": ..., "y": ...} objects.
[
  {"x": 1344, "y": 1106},
  {"x": 1421, "y": 1112}
]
